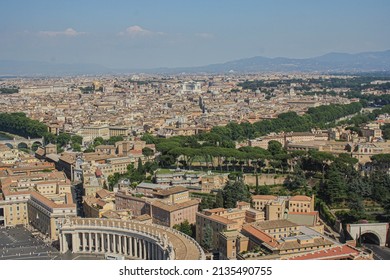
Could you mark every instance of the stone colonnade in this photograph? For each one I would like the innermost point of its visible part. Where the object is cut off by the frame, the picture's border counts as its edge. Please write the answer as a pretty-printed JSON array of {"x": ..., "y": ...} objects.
[{"x": 100, "y": 242}]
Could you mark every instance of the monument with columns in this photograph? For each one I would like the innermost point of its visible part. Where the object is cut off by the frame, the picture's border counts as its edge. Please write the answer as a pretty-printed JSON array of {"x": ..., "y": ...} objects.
[{"x": 131, "y": 239}]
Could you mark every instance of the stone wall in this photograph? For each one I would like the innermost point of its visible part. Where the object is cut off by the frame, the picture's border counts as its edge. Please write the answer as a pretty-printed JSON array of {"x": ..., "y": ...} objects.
[{"x": 265, "y": 179}]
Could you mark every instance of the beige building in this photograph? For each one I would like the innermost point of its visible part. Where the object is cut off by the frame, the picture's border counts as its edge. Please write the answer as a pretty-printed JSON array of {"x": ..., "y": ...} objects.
[
  {"x": 44, "y": 213},
  {"x": 301, "y": 203},
  {"x": 222, "y": 220},
  {"x": 232, "y": 243},
  {"x": 217, "y": 224},
  {"x": 96, "y": 206},
  {"x": 213, "y": 182},
  {"x": 89, "y": 133},
  {"x": 275, "y": 239},
  {"x": 38, "y": 199},
  {"x": 364, "y": 151},
  {"x": 106, "y": 149},
  {"x": 172, "y": 214},
  {"x": 119, "y": 131},
  {"x": 31, "y": 207},
  {"x": 372, "y": 131},
  {"x": 115, "y": 165},
  {"x": 166, "y": 205},
  {"x": 273, "y": 207},
  {"x": 276, "y": 208},
  {"x": 13, "y": 206},
  {"x": 138, "y": 205}
]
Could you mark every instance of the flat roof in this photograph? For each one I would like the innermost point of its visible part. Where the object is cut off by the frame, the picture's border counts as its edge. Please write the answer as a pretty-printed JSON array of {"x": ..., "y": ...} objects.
[
  {"x": 174, "y": 207},
  {"x": 152, "y": 186},
  {"x": 331, "y": 253},
  {"x": 264, "y": 225}
]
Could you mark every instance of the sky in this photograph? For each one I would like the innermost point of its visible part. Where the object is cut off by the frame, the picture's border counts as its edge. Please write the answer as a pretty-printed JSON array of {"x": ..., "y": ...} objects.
[{"x": 147, "y": 34}]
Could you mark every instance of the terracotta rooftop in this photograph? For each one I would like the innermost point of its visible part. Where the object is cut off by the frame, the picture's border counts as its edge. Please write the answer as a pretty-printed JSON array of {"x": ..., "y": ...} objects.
[
  {"x": 242, "y": 203},
  {"x": 264, "y": 225},
  {"x": 264, "y": 197},
  {"x": 217, "y": 218},
  {"x": 343, "y": 251},
  {"x": 215, "y": 210},
  {"x": 317, "y": 241},
  {"x": 260, "y": 235},
  {"x": 300, "y": 198},
  {"x": 49, "y": 202},
  {"x": 70, "y": 159},
  {"x": 102, "y": 193},
  {"x": 172, "y": 190},
  {"x": 175, "y": 207}
]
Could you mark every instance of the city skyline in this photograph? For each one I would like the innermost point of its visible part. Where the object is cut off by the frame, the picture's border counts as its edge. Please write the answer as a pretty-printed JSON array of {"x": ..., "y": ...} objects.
[{"x": 175, "y": 34}]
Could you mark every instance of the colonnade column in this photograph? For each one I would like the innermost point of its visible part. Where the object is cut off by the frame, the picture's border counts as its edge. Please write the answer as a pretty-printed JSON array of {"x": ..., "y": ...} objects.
[
  {"x": 154, "y": 252},
  {"x": 125, "y": 245},
  {"x": 114, "y": 244},
  {"x": 136, "y": 247},
  {"x": 102, "y": 242},
  {"x": 131, "y": 246},
  {"x": 120, "y": 244},
  {"x": 97, "y": 242},
  {"x": 144, "y": 245},
  {"x": 61, "y": 244},
  {"x": 84, "y": 241},
  {"x": 75, "y": 242},
  {"x": 90, "y": 242},
  {"x": 108, "y": 243},
  {"x": 150, "y": 251}
]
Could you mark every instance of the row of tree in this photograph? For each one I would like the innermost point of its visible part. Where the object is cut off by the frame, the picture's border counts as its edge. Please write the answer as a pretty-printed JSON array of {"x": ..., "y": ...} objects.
[
  {"x": 10, "y": 90},
  {"x": 20, "y": 124},
  {"x": 133, "y": 175}
]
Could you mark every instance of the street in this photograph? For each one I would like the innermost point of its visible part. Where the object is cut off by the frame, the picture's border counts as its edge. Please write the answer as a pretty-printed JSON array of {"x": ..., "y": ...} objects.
[{"x": 380, "y": 253}]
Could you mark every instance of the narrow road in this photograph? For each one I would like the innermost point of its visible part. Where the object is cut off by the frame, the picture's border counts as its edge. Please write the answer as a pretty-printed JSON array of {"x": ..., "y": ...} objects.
[{"x": 380, "y": 253}]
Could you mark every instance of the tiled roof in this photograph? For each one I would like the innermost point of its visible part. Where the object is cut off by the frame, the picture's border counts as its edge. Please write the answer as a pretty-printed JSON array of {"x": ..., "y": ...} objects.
[
  {"x": 264, "y": 197},
  {"x": 300, "y": 198},
  {"x": 331, "y": 253},
  {"x": 175, "y": 207},
  {"x": 274, "y": 224},
  {"x": 260, "y": 235}
]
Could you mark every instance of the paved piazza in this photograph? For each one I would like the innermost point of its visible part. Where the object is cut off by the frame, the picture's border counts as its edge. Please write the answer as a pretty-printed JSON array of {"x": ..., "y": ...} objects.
[{"x": 18, "y": 243}]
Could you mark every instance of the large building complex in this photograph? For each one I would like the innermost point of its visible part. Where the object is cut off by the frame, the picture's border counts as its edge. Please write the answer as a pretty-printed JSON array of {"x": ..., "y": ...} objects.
[
  {"x": 38, "y": 199},
  {"x": 166, "y": 206}
]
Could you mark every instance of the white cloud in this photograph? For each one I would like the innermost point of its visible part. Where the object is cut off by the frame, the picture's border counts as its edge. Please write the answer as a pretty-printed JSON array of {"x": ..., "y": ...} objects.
[
  {"x": 67, "y": 32},
  {"x": 137, "y": 31},
  {"x": 205, "y": 35}
]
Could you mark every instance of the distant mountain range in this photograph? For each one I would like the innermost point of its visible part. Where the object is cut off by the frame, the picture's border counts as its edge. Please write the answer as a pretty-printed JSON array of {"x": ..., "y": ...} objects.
[{"x": 331, "y": 62}]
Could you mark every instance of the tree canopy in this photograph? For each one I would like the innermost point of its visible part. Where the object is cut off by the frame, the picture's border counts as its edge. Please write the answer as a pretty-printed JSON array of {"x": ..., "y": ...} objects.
[{"x": 233, "y": 192}]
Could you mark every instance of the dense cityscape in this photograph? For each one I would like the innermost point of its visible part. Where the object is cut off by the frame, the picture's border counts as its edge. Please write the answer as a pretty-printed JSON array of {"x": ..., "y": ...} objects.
[
  {"x": 230, "y": 167},
  {"x": 250, "y": 136}
]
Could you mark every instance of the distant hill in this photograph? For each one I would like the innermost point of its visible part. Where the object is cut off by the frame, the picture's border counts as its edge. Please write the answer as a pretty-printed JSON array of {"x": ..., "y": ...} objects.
[{"x": 331, "y": 62}]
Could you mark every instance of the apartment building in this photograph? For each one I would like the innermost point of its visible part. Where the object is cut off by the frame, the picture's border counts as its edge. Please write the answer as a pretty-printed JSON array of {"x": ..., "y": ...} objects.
[{"x": 166, "y": 205}]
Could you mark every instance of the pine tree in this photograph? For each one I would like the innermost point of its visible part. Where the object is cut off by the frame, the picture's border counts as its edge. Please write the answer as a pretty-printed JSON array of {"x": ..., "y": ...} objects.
[
  {"x": 219, "y": 200},
  {"x": 207, "y": 241}
]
